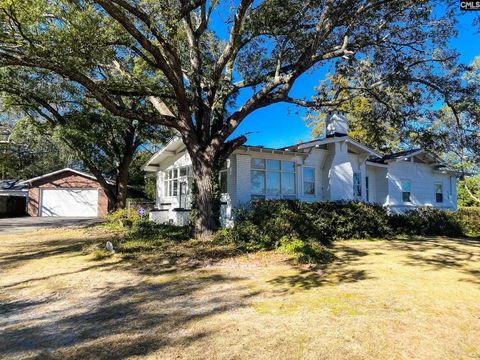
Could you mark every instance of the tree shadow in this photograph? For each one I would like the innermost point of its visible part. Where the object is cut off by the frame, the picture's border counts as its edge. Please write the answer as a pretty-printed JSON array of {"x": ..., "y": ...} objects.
[
  {"x": 337, "y": 272},
  {"x": 441, "y": 253},
  {"x": 436, "y": 252},
  {"x": 134, "y": 319},
  {"x": 44, "y": 249}
]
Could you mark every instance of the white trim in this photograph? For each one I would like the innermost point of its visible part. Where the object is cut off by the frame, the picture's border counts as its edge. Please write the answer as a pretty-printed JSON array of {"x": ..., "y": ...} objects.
[
  {"x": 63, "y": 170},
  {"x": 371, "y": 163},
  {"x": 338, "y": 139},
  {"x": 173, "y": 147}
]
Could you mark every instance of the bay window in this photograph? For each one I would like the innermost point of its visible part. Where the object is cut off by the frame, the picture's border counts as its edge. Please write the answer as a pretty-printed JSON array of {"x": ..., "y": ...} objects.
[{"x": 172, "y": 179}]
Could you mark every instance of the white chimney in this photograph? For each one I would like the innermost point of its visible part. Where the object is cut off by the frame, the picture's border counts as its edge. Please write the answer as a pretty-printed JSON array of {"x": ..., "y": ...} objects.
[{"x": 336, "y": 124}]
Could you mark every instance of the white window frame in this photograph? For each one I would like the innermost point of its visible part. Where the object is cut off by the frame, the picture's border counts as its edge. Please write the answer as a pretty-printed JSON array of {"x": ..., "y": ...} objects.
[
  {"x": 169, "y": 180},
  {"x": 357, "y": 187},
  {"x": 265, "y": 170},
  {"x": 314, "y": 180}
]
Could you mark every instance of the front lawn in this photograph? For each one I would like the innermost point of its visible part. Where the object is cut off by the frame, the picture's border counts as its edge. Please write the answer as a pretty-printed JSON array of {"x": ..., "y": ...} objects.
[{"x": 62, "y": 299}]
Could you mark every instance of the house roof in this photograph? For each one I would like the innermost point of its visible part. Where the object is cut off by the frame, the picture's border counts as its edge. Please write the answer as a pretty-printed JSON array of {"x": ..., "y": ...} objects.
[
  {"x": 81, "y": 173},
  {"x": 333, "y": 139},
  {"x": 281, "y": 151},
  {"x": 405, "y": 155},
  {"x": 12, "y": 185},
  {"x": 174, "y": 146}
]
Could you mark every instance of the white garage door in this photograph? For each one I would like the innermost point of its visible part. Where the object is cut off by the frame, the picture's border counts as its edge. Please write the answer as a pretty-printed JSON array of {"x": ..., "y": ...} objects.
[{"x": 69, "y": 202}]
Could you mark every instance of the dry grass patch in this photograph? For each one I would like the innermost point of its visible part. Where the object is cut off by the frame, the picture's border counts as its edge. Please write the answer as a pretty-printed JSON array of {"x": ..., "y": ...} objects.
[{"x": 392, "y": 299}]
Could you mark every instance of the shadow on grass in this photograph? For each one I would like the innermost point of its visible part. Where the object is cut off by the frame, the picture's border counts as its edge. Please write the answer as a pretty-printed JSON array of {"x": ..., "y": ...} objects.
[
  {"x": 326, "y": 274},
  {"x": 134, "y": 319},
  {"x": 39, "y": 250},
  {"x": 441, "y": 253}
]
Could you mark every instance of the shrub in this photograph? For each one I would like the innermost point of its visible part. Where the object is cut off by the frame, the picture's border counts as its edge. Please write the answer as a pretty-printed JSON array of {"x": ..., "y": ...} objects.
[
  {"x": 320, "y": 221},
  {"x": 148, "y": 229},
  {"x": 266, "y": 224},
  {"x": 123, "y": 217},
  {"x": 469, "y": 219},
  {"x": 426, "y": 221},
  {"x": 305, "y": 252},
  {"x": 245, "y": 235}
]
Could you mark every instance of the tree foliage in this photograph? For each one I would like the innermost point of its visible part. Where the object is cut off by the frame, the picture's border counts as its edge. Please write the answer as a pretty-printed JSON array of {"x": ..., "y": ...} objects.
[
  {"x": 468, "y": 191},
  {"x": 167, "y": 62},
  {"x": 30, "y": 153}
]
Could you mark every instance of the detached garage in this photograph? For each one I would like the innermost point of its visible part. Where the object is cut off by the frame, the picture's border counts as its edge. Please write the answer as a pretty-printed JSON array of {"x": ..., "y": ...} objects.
[{"x": 66, "y": 193}]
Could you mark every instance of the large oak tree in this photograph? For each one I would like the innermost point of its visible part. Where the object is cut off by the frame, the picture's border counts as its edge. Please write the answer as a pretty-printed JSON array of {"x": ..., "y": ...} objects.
[{"x": 201, "y": 67}]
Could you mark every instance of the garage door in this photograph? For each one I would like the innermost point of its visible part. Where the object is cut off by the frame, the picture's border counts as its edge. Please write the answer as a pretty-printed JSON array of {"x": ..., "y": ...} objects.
[{"x": 69, "y": 202}]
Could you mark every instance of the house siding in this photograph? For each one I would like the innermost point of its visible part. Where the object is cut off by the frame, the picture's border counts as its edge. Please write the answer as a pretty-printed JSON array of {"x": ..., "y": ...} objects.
[
  {"x": 422, "y": 178},
  {"x": 335, "y": 164}
]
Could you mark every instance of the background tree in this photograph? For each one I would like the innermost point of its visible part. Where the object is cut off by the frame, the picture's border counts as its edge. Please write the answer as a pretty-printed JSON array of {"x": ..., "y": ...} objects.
[
  {"x": 387, "y": 116},
  {"x": 137, "y": 177},
  {"x": 29, "y": 153},
  {"x": 105, "y": 144},
  {"x": 165, "y": 62}
]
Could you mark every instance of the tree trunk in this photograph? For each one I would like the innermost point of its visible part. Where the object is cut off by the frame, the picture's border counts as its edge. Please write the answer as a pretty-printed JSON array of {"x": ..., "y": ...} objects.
[
  {"x": 121, "y": 183},
  {"x": 205, "y": 222}
]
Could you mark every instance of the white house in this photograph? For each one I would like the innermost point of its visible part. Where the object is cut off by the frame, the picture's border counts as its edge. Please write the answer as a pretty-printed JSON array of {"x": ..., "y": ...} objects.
[{"x": 334, "y": 168}]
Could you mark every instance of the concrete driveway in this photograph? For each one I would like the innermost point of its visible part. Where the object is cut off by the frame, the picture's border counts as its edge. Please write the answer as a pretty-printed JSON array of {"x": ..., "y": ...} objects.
[{"x": 26, "y": 224}]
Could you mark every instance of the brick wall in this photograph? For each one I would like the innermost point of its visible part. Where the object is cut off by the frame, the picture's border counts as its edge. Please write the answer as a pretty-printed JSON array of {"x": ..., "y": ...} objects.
[{"x": 65, "y": 179}]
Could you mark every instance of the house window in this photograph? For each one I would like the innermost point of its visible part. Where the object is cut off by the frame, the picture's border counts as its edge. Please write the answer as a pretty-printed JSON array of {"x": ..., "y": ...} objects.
[
  {"x": 357, "y": 185},
  {"x": 438, "y": 192},
  {"x": 406, "y": 190},
  {"x": 223, "y": 181},
  {"x": 172, "y": 179},
  {"x": 272, "y": 177},
  {"x": 367, "y": 188},
  {"x": 309, "y": 181}
]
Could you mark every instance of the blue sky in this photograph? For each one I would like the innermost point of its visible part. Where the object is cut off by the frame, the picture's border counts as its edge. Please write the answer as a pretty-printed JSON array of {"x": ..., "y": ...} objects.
[{"x": 282, "y": 124}]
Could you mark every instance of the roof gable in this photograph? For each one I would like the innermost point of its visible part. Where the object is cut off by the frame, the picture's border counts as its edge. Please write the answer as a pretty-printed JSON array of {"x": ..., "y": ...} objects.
[{"x": 58, "y": 172}]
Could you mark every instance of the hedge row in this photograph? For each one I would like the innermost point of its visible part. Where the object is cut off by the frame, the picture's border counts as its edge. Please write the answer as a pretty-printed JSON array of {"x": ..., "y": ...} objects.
[
  {"x": 266, "y": 224},
  {"x": 469, "y": 219}
]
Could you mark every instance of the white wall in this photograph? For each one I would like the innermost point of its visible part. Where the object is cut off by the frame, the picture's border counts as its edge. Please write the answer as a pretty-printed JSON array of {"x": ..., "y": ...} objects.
[
  {"x": 381, "y": 185},
  {"x": 340, "y": 176},
  {"x": 334, "y": 169},
  {"x": 422, "y": 178}
]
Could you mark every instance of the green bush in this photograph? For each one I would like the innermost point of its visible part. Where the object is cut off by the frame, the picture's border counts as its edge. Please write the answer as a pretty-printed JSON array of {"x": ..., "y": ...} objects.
[
  {"x": 123, "y": 217},
  {"x": 305, "y": 252},
  {"x": 469, "y": 219},
  {"x": 426, "y": 221},
  {"x": 297, "y": 227},
  {"x": 148, "y": 229},
  {"x": 320, "y": 221}
]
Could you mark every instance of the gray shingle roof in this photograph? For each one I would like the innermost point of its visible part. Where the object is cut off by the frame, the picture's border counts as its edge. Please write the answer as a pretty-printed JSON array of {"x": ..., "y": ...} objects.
[{"x": 12, "y": 185}]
